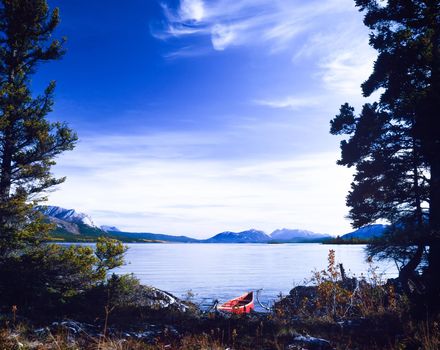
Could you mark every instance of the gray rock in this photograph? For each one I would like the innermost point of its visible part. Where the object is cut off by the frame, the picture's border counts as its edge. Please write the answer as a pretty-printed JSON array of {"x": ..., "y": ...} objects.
[{"x": 309, "y": 343}]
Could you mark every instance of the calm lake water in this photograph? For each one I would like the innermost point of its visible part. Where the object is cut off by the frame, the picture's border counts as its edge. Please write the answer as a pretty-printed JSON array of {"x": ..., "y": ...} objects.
[{"x": 224, "y": 271}]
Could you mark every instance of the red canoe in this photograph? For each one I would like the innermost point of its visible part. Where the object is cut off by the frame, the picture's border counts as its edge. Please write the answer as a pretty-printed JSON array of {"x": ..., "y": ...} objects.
[{"x": 241, "y": 305}]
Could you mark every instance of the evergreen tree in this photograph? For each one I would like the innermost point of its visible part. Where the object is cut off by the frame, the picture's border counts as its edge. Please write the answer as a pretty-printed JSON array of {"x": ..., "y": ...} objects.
[
  {"x": 47, "y": 278},
  {"x": 396, "y": 149},
  {"x": 388, "y": 184},
  {"x": 36, "y": 275},
  {"x": 29, "y": 143}
]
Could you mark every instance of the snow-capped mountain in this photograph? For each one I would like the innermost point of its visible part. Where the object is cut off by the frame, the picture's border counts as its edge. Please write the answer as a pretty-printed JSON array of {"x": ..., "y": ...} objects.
[
  {"x": 69, "y": 215},
  {"x": 295, "y": 235},
  {"x": 107, "y": 228},
  {"x": 249, "y": 236},
  {"x": 69, "y": 221}
]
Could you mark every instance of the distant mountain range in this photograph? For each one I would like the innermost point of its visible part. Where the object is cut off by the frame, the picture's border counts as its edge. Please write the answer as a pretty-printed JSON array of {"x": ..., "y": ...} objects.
[
  {"x": 107, "y": 228},
  {"x": 75, "y": 226},
  {"x": 297, "y": 236},
  {"x": 366, "y": 232},
  {"x": 249, "y": 236}
]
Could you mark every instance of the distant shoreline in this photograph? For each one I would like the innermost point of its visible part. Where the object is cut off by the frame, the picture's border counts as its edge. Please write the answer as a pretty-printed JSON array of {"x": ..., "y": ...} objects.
[{"x": 55, "y": 240}]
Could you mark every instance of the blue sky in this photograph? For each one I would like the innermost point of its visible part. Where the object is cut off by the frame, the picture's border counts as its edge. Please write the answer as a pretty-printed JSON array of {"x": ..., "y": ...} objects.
[{"x": 200, "y": 116}]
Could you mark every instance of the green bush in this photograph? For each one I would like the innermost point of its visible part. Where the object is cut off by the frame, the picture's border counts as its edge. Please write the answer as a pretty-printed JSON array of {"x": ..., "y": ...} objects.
[{"x": 48, "y": 277}]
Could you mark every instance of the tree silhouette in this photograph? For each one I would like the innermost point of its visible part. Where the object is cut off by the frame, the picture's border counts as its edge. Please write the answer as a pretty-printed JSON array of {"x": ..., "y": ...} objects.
[
  {"x": 395, "y": 143},
  {"x": 35, "y": 275},
  {"x": 29, "y": 143}
]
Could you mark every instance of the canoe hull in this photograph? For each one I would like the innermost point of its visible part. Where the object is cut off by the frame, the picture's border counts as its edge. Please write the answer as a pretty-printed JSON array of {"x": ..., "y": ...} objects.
[{"x": 241, "y": 305}]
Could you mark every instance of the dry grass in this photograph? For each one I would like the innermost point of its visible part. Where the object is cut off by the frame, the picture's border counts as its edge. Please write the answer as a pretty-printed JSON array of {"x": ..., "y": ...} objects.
[
  {"x": 383, "y": 317},
  {"x": 412, "y": 335},
  {"x": 21, "y": 338}
]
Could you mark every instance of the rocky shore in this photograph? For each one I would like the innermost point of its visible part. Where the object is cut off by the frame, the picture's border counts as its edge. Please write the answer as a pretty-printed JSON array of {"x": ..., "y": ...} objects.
[{"x": 149, "y": 318}]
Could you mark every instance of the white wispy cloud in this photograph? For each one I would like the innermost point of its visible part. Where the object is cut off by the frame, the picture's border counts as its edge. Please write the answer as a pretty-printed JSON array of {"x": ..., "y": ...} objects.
[
  {"x": 222, "y": 36},
  {"x": 326, "y": 34},
  {"x": 137, "y": 185},
  {"x": 185, "y": 52},
  {"x": 246, "y": 22},
  {"x": 345, "y": 70},
  {"x": 345, "y": 57},
  {"x": 191, "y": 10},
  {"x": 290, "y": 102}
]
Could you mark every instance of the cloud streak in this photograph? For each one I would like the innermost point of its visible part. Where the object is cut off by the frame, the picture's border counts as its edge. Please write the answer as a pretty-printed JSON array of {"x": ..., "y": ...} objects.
[
  {"x": 245, "y": 22},
  {"x": 327, "y": 33},
  {"x": 135, "y": 186},
  {"x": 192, "y": 10},
  {"x": 290, "y": 102}
]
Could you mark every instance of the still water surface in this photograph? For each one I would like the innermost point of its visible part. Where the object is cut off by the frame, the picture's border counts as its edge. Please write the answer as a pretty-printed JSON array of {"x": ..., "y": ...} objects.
[{"x": 224, "y": 271}]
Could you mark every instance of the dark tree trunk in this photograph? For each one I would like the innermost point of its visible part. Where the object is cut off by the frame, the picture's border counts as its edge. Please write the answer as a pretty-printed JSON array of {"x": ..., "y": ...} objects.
[
  {"x": 6, "y": 167},
  {"x": 408, "y": 273},
  {"x": 433, "y": 271},
  {"x": 432, "y": 135}
]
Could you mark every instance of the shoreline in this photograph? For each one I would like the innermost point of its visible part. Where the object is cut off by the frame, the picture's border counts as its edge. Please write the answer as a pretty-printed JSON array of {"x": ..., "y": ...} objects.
[
  {"x": 295, "y": 322},
  {"x": 210, "y": 243}
]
